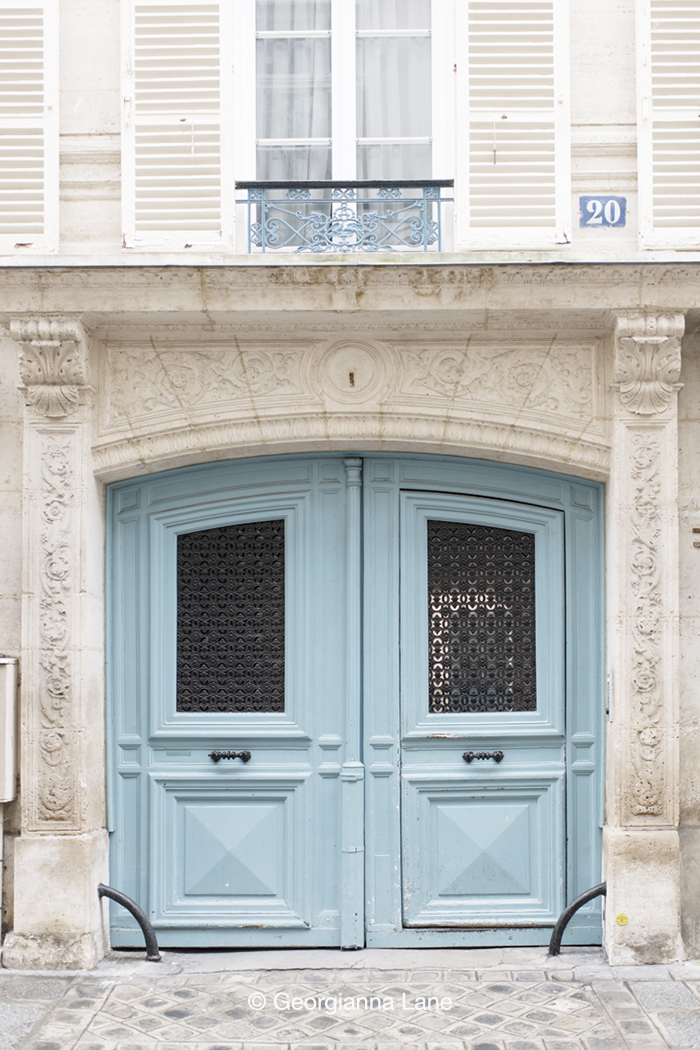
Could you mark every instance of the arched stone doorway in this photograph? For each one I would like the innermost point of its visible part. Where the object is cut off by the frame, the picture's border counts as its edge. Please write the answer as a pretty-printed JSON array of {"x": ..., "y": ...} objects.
[{"x": 311, "y": 658}]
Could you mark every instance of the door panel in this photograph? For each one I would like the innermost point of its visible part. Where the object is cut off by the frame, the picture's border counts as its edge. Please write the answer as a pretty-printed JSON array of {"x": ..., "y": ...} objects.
[
  {"x": 230, "y": 599},
  {"x": 230, "y": 852},
  {"x": 230, "y": 695},
  {"x": 482, "y": 662},
  {"x": 482, "y": 851},
  {"x": 545, "y": 528}
]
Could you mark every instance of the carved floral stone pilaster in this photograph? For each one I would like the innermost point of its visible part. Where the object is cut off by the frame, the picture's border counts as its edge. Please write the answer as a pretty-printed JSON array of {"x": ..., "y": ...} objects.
[
  {"x": 645, "y": 498},
  {"x": 52, "y": 363},
  {"x": 56, "y": 451}
]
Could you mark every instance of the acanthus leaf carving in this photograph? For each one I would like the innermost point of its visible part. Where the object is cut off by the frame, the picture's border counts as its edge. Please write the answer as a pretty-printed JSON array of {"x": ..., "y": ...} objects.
[
  {"x": 144, "y": 382},
  {"x": 647, "y": 360},
  {"x": 558, "y": 378},
  {"x": 52, "y": 363}
]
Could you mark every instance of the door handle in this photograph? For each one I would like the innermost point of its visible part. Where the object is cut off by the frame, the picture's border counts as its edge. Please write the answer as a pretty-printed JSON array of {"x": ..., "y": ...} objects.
[
  {"x": 216, "y": 756},
  {"x": 469, "y": 756}
]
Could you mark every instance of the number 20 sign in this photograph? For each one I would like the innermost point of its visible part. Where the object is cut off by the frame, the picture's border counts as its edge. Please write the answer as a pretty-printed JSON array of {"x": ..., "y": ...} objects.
[{"x": 602, "y": 211}]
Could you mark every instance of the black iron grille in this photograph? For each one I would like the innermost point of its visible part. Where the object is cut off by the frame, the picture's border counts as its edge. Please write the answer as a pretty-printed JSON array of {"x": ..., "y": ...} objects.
[
  {"x": 230, "y": 618},
  {"x": 481, "y": 608}
]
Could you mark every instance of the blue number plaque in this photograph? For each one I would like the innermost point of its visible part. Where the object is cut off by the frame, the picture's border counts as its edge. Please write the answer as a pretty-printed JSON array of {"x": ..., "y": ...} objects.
[{"x": 602, "y": 211}]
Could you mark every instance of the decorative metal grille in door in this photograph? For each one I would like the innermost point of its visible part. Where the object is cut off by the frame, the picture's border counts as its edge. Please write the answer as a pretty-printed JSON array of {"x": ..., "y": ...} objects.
[
  {"x": 481, "y": 597},
  {"x": 230, "y": 618}
]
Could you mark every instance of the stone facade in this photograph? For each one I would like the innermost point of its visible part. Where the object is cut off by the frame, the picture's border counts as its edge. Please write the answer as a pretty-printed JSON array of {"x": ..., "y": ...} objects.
[{"x": 118, "y": 362}]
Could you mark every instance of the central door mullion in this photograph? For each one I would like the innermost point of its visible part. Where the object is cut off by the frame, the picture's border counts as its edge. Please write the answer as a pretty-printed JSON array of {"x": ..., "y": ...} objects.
[{"x": 352, "y": 773}]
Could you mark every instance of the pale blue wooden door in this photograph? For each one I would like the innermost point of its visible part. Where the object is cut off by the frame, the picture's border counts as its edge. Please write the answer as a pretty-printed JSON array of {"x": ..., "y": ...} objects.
[
  {"x": 482, "y": 673},
  {"x": 229, "y": 606},
  {"x": 483, "y": 605}
]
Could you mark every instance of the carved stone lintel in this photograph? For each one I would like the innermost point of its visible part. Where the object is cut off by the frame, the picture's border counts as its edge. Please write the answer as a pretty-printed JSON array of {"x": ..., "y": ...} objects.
[
  {"x": 647, "y": 360},
  {"x": 52, "y": 363}
]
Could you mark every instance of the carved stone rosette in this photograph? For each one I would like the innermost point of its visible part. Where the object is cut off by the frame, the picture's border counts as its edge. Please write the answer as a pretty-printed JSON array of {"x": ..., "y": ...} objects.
[
  {"x": 645, "y": 499},
  {"x": 53, "y": 369}
]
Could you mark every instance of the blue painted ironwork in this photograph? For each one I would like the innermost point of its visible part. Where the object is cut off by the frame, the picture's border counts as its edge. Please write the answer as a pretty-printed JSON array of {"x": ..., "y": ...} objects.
[{"x": 344, "y": 217}]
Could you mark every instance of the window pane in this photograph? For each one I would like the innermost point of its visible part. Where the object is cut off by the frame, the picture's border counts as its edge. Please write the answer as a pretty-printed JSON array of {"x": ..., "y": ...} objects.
[
  {"x": 481, "y": 616},
  {"x": 230, "y": 618},
  {"x": 393, "y": 14},
  {"x": 394, "y": 161},
  {"x": 293, "y": 88},
  {"x": 273, "y": 15},
  {"x": 287, "y": 163},
  {"x": 393, "y": 87}
]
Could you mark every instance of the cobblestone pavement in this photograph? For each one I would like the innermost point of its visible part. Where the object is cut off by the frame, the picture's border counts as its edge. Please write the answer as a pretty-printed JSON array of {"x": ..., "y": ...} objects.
[{"x": 498, "y": 999}]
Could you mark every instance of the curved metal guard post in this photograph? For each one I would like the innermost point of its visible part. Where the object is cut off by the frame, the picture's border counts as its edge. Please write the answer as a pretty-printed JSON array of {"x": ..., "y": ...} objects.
[
  {"x": 564, "y": 918},
  {"x": 152, "y": 951}
]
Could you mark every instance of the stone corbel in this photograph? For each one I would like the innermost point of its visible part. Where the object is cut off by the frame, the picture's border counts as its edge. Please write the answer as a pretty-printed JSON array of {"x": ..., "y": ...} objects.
[
  {"x": 53, "y": 363},
  {"x": 647, "y": 360}
]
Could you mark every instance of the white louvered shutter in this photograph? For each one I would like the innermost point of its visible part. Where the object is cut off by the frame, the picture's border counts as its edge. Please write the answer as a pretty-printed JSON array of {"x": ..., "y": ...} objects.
[
  {"x": 516, "y": 150},
  {"x": 177, "y": 190},
  {"x": 669, "y": 123},
  {"x": 28, "y": 125}
]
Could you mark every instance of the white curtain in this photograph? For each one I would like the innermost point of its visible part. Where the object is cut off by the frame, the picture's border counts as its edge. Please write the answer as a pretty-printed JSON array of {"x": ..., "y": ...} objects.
[
  {"x": 393, "y": 90},
  {"x": 293, "y": 90}
]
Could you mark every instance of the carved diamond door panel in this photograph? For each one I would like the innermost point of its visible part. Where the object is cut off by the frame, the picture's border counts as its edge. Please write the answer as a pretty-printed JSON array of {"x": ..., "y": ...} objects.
[
  {"x": 491, "y": 850},
  {"x": 230, "y": 852}
]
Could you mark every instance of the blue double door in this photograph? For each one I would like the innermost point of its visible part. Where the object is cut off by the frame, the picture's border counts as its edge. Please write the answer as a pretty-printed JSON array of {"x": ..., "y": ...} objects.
[{"x": 355, "y": 700}]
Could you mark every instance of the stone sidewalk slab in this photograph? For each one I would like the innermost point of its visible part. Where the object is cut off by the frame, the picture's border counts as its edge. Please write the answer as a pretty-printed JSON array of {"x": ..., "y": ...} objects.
[{"x": 375, "y": 999}]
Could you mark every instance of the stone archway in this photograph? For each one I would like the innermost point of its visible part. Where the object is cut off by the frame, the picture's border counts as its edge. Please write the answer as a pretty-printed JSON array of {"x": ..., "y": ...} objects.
[{"x": 163, "y": 403}]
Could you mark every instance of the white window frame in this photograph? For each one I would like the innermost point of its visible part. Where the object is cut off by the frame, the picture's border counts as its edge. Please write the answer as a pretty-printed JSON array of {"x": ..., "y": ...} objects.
[{"x": 48, "y": 122}]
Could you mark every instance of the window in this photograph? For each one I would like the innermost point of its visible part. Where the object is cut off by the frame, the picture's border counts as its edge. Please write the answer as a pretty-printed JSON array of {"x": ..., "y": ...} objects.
[
  {"x": 343, "y": 91},
  {"x": 226, "y": 91}
]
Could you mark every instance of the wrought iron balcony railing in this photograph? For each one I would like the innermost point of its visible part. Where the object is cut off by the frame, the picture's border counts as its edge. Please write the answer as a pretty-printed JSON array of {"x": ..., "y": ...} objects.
[{"x": 345, "y": 216}]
